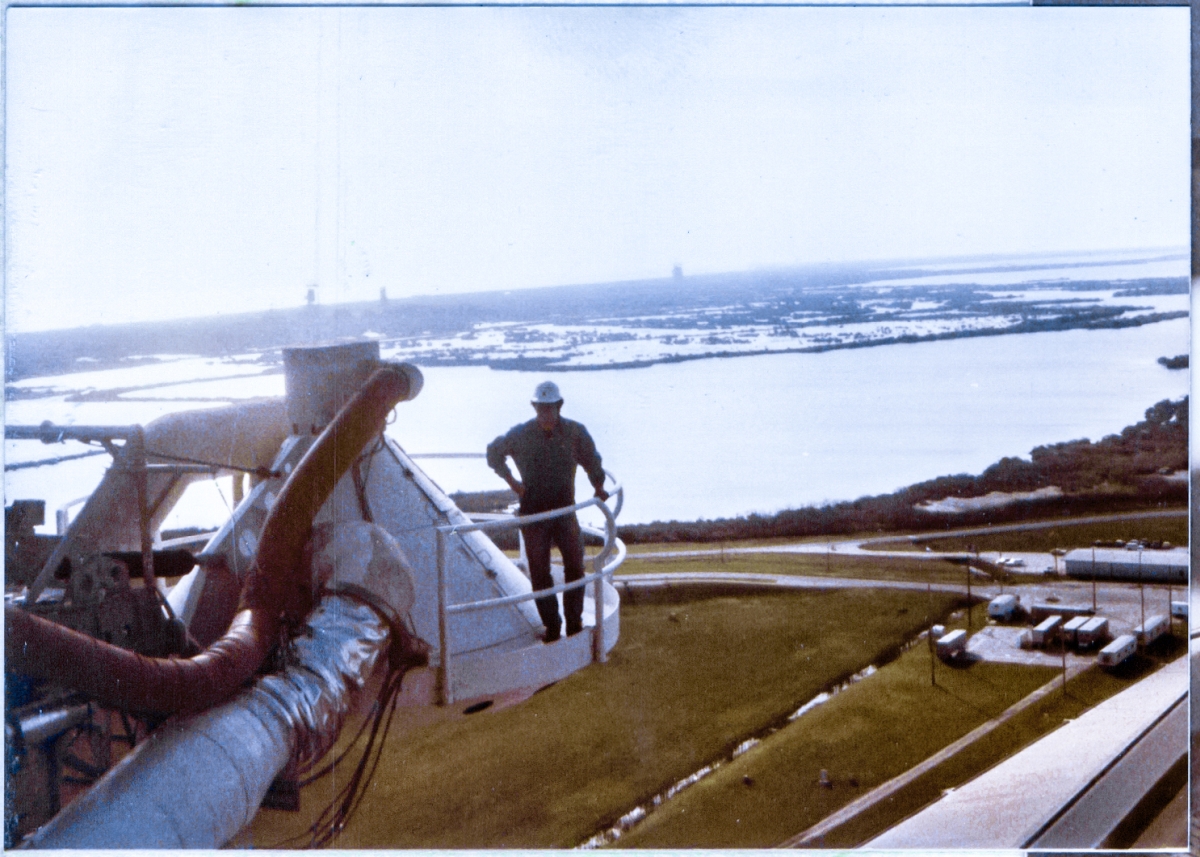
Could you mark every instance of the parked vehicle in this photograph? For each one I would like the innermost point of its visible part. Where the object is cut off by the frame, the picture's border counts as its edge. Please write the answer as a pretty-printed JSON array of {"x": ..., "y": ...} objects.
[
  {"x": 1093, "y": 631},
  {"x": 1152, "y": 629},
  {"x": 1047, "y": 630},
  {"x": 1070, "y": 629},
  {"x": 1038, "y": 612},
  {"x": 952, "y": 644},
  {"x": 1117, "y": 651},
  {"x": 1179, "y": 609},
  {"x": 1003, "y": 608}
]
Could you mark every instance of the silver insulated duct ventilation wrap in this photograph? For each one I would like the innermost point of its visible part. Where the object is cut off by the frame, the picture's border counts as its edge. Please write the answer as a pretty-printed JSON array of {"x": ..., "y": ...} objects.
[{"x": 200, "y": 779}]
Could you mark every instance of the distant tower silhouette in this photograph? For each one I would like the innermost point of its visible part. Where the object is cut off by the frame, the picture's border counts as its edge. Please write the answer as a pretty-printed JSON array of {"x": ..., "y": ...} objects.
[
  {"x": 677, "y": 272},
  {"x": 311, "y": 297},
  {"x": 382, "y": 295}
]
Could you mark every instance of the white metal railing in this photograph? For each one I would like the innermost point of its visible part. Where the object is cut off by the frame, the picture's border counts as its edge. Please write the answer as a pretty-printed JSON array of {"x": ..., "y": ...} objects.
[{"x": 602, "y": 569}]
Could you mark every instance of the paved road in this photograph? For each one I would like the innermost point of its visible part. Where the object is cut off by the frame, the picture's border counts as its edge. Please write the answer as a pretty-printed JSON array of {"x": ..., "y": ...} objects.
[
  {"x": 1035, "y": 562},
  {"x": 665, "y": 580}
]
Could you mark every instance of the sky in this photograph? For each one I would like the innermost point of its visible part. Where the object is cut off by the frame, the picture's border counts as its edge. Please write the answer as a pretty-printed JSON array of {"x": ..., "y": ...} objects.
[{"x": 174, "y": 162}]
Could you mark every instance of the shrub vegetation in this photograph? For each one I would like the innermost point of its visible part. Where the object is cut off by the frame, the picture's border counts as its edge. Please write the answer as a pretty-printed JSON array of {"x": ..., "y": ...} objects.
[{"x": 1119, "y": 473}]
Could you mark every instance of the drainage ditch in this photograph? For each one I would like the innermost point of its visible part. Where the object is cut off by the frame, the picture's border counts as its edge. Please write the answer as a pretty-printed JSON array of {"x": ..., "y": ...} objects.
[{"x": 636, "y": 815}]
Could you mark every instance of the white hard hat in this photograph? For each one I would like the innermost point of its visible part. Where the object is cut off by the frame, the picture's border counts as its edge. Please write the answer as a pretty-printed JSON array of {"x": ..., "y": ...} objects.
[{"x": 547, "y": 394}]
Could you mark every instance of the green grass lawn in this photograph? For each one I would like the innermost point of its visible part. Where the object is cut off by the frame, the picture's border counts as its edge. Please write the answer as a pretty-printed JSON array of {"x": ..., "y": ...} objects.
[
  {"x": 686, "y": 683},
  {"x": 820, "y": 565},
  {"x": 864, "y": 736}
]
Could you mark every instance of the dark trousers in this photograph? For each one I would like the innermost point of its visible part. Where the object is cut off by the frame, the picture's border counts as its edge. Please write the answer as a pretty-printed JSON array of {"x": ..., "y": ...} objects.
[{"x": 563, "y": 532}]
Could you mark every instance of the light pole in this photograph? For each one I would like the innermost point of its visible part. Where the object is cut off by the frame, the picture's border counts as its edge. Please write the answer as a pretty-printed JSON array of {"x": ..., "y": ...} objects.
[
  {"x": 1062, "y": 639},
  {"x": 968, "y": 596},
  {"x": 1093, "y": 577},
  {"x": 1142, "y": 589},
  {"x": 932, "y": 658}
]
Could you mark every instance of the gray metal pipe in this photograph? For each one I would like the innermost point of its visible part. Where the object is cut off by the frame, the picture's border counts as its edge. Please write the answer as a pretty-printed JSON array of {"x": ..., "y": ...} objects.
[
  {"x": 198, "y": 780},
  {"x": 43, "y": 725}
]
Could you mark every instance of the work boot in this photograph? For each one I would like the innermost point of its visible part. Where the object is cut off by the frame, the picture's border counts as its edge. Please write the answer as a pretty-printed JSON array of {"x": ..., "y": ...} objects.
[
  {"x": 552, "y": 634},
  {"x": 574, "y": 628}
]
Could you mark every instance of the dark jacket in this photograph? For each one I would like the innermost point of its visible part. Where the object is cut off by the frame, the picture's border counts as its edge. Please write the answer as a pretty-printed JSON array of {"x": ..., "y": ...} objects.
[{"x": 547, "y": 462}]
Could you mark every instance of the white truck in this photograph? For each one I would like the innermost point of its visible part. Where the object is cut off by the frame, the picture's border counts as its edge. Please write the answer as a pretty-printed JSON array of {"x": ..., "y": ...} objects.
[
  {"x": 1179, "y": 609},
  {"x": 1046, "y": 631},
  {"x": 1117, "y": 651},
  {"x": 1093, "y": 631},
  {"x": 1070, "y": 629},
  {"x": 1003, "y": 608},
  {"x": 952, "y": 644},
  {"x": 1153, "y": 628}
]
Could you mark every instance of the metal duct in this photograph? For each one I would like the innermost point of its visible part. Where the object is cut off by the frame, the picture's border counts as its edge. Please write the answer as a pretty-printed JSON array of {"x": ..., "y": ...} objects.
[
  {"x": 276, "y": 597},
  {"x": 198, "y": 780}
]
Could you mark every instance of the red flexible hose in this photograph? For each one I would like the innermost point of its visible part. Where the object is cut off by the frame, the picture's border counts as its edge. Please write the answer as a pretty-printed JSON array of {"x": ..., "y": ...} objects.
[{"x": 278, "y": 592}]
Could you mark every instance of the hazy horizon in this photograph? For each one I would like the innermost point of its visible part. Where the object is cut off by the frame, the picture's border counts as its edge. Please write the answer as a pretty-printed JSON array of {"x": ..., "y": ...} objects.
[
  {"x": 1179, "y": 252},
  {"x": 173, "y": 162}
]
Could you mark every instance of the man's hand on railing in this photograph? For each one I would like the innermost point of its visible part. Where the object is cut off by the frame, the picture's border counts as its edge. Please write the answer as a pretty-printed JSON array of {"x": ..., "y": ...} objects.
[{"x": 601, "y": 494}]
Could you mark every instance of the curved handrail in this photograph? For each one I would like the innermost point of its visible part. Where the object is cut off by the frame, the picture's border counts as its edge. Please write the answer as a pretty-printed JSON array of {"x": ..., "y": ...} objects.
[
  {"x": 509, "y": 523},
  {"x": 602, "y": 570},
  {"x": 471, "y": 606}
]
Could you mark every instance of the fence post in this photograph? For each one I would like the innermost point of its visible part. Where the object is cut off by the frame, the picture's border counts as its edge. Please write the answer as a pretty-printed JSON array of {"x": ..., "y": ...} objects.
[{"x": 443, "y": 636}]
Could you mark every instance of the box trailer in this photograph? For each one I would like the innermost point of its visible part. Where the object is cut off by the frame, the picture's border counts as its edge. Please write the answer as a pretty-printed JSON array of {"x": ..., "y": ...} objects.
[
  {"x": 1117, "y": 651},
  {"x": 1038, "y": 612},
  {"x": 1003, "y": 608},
  {"x": 1045, "y": 632},
  {"x": 1179, "y": 609},
  {"x": 952, "y": 644},
  {"x": 1094, "y": 630},
  {"x": 1070, "y": 629},
  {"x": 1154, "y": 628}
]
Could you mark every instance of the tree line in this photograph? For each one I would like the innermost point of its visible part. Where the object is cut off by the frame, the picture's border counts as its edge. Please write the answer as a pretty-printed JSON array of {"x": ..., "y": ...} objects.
[
  {"x": 1122, "y": 472},
  {"x": 1126, "y": 471}
]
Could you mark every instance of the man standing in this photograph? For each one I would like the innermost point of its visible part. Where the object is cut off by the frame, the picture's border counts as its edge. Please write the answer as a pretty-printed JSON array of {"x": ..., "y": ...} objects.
[{"x": 546, "y": 450}]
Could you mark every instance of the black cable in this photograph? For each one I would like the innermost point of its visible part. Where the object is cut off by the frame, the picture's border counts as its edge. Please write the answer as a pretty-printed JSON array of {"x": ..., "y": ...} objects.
[
  {"x": 264, "y": 472},
  {"x": 334, "y": 818},
  {"x": 360, "y": 491},
  {"x": 22, "y": 465},
  {"x": 405, "y": 651},
  {"x": 328, "y": 768},
  {"x": 360, "y": 477}
]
